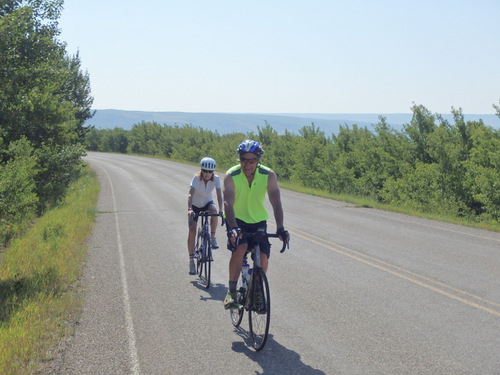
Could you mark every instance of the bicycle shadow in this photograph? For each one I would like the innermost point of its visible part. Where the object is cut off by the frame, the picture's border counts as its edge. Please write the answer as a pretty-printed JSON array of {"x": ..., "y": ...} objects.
[
  {"x": 274, "y": 358},
  {"x": 216, "y": 292}
]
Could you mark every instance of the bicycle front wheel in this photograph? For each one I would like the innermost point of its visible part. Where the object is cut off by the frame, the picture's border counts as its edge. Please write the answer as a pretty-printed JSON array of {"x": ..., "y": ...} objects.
[
  {"x": 237, "y": 314},
  {"x": 204, "y": 271},
  {"x": 208, "y": 263},
  {"x": 198, "y": 255},
  {"x": 259, "y": 313}
]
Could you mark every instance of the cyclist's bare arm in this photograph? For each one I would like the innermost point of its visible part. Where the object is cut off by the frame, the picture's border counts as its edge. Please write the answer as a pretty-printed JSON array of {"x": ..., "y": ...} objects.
[
  {"x": 190, "y": 197},
  {"x": 229, "y": 201},
  {"x": 273, "y": 192},
  {"x": 219, "y": 199},
  {"x": 229, "y": 198}
]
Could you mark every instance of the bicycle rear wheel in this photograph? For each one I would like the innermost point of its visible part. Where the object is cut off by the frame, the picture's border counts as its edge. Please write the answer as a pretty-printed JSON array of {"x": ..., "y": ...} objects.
[
  {"x": 237, "y": 315},
  {"x": 259, "y": 316}
]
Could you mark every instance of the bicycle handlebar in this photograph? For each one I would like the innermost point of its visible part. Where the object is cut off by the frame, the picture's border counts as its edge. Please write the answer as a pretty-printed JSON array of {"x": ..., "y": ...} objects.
[
  {"x": 208, "y": 214},
  {"x": 286, "y": 244}
]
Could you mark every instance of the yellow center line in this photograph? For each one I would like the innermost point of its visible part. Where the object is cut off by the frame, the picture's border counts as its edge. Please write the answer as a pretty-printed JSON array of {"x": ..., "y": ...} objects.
[{"x": 402, "y": 273}]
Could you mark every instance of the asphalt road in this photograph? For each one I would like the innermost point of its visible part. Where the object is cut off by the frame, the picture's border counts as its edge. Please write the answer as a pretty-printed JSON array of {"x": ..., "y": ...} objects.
[{"x": 360, "y": 291}]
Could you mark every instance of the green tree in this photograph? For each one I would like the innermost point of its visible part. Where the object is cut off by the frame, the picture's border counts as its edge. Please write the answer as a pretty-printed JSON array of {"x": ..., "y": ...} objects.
[
  {"x": 224, "y": 151},
  {"x": 113, "y": 140},
  {"x": 347, "y": 165},
  {"x": 18, "y": 197},
  {"x": 44, "y": 98},
  {"x": 143, "y": 138},
  {"x": 421, "y": 125},
  {"x": 497, "y": 108},
  {"x": 393, "y": 148},
  {"x": 482, "y": 176},
  {"x": 31, "y": 62},
  {"x": 309, "y": 157},
  {"x": 279, "y": 150},
  {"x": 44, "y": 95}
]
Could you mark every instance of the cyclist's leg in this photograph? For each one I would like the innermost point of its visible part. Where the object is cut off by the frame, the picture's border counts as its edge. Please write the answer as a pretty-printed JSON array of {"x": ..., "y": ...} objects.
[
  {"x": 264, "y": 262},
  {"x": 235, "y": 265},
  {"x": 213, "y": 226},
  {"x": 191, "y": 237},
  {"x": 265, "y": 252},
  {"x": 192, "y": 225},
  {"x": 191, "y": 244},
  {"x": 213, "y": 220},
  {"x": 236, "y": 262}
]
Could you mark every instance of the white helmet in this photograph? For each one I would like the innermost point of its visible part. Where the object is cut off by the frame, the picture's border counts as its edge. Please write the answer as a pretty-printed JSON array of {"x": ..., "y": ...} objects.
[{"x": 208, "y": 164}]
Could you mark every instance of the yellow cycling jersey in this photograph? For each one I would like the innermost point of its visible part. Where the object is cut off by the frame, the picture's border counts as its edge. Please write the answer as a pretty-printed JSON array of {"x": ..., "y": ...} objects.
[{"x": 249, "y": 200}]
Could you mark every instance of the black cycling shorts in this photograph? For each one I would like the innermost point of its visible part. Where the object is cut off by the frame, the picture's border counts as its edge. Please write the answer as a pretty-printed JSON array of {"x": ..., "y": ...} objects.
[
  {"x": 197, "y": 210},
  {"x": 265, "y": 246}
]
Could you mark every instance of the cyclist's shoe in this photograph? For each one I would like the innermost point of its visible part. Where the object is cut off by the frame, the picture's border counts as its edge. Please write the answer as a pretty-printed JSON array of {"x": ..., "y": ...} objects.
[
  {"x": 192, "y": 268},
  {"x": 214, "y": 243},
  {"x": 260, "y": 304},
  {"x": 230, "y": 302}
]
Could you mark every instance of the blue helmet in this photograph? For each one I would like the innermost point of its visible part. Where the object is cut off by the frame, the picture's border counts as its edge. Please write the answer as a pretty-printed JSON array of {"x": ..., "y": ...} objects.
[{"x": 250, "y": 146}]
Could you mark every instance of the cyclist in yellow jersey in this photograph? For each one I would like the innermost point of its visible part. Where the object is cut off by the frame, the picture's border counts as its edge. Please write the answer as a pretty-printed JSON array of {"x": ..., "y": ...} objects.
[{"x": 245, "y": 188}]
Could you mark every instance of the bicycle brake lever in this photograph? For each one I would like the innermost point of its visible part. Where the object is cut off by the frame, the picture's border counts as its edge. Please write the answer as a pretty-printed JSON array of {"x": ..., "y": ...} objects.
[{"x": 285, "y": 246}]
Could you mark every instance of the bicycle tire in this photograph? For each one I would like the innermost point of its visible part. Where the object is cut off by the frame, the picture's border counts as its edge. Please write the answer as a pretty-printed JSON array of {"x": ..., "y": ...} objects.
[
  {"x": 207, "y": 261},
  {"x": 237, "y": 315},
  {"x": 203, "y": 270},
  {"x": 198, "y": 255},
  {"x": 258, "y": 320}
]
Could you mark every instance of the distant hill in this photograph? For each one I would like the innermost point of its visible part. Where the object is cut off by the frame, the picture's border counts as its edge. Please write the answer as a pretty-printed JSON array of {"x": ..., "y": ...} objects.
[{"x": 247, "y": 122}]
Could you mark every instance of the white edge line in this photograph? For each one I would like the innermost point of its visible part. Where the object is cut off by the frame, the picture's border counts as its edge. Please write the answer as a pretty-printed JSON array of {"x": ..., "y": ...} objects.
[{"x": 134, "y": 359}]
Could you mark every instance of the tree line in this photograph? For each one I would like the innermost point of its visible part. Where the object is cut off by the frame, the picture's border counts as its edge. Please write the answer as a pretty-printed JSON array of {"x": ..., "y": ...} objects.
[
  {"x": 44, "y": 103},
  {"x": 431, "y": 165}
]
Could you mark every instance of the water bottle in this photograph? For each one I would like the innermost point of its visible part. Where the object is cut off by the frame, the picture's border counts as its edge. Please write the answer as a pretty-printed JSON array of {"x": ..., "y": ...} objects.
[{"x": 246, "y": 275}]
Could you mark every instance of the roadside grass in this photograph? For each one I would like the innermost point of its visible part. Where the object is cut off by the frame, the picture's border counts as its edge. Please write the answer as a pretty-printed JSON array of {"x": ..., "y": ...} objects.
[{"x": 39, "y": 277}]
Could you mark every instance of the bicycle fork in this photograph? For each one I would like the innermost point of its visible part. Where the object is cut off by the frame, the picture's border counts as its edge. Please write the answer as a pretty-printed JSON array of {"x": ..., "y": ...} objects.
[{"x": 253, "y": 285}]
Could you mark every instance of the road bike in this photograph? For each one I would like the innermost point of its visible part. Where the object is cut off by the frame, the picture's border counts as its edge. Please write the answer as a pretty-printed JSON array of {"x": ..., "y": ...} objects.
[
  {"x": 203, "y": 248},
  {"x": 253, "y": 281}
]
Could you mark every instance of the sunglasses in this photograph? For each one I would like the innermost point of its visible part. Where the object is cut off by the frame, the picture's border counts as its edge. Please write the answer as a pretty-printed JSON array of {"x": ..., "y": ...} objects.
[
  {"x": 205, "y": 171},
  {"x": 250, "y": 161}
]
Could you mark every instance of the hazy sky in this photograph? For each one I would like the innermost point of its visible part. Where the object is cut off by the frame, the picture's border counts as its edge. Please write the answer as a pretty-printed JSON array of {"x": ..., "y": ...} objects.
[{"x": 288, "y": 56}]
